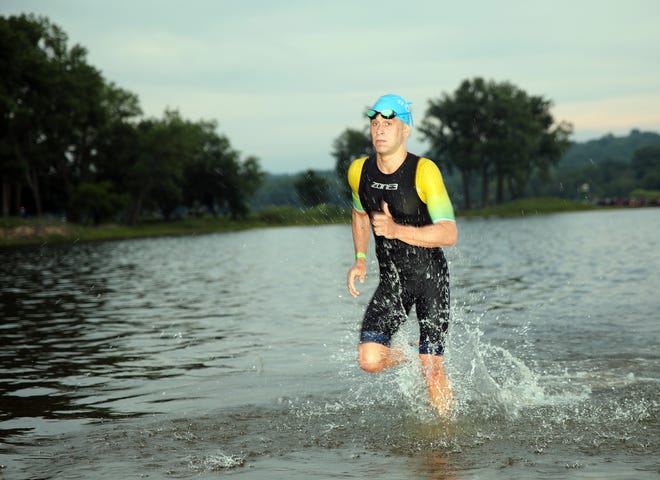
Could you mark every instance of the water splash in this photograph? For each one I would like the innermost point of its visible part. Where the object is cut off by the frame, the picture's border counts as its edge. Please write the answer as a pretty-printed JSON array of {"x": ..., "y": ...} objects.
[
  {"x": 489, "y": 379},
  {"x": 216, "y": 462}
]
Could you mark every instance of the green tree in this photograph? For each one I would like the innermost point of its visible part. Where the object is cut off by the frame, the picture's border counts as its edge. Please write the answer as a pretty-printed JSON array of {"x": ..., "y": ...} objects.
[
  {"x": 553, "y": 144},
  {"x": 250, "y": 177},
  {"x": 545, "y": 142},
  {"x": 511, "y": 139},
  {"x": 608, "y": 179},
  {"x": 312, "y": 189},
  {"x": 14, "y": 47},
  {"x": 495, "y": 130},
  {"x": 351, "y": 144},
  {"x": 76, "y": 141},
  {"x": 206, "y": 174},
  {"x": 645, "y": 164},
  {"x": 524, "y": 139},
  {"x": 155, "y": 179},
  {"x": 118, "y": 144},
  {"x": 456, "y": 128},
  {"x": 25, "y": 95},
  {"x": 53, "y": 113},
  {"x": 99, "y": 201},
  {"x": 76, "y": 125},
  {"x": 217, "y": 177}
]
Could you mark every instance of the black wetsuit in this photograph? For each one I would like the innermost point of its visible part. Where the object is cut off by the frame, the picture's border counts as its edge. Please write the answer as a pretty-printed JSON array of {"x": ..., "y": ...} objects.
[{"x": 409, "y": 275}]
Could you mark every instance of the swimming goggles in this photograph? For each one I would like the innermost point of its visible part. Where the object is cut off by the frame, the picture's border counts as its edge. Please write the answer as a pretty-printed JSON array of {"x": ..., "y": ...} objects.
[{"x": 388, "y": 114}]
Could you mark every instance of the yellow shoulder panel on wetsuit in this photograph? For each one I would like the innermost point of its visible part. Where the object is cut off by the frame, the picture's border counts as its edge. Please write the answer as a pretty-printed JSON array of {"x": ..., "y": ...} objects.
[
  {"x": 354, "y": 174},
  {"x": 431, "y": 190}
]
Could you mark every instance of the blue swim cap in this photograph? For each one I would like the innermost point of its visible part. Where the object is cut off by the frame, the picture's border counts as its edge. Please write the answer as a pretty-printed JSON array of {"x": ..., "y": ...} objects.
[{"x": 396, "y": 103}]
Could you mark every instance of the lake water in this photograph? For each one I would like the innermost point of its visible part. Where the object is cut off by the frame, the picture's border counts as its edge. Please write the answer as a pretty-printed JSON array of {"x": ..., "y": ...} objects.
[{"x": 234, "y": 354}]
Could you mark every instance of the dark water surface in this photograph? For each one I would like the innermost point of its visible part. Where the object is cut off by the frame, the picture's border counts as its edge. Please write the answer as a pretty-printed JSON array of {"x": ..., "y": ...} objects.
[{"x": 234, "y": 355}]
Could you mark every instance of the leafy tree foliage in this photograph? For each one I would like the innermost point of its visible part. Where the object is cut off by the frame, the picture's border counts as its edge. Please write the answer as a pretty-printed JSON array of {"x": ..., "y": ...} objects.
[
  {"x": 646, "y": 167},
  {"x": 28, "y": 96},
  {"x": 99, "y": 200},
  {"x": 493, "y": 130},
  {"x": 455, "y": 127},
  {"x": 79, "y": 146}
]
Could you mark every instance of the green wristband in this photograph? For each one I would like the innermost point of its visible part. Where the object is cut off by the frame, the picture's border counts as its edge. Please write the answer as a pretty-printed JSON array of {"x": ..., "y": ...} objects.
[{"x": 360, "y": 255}]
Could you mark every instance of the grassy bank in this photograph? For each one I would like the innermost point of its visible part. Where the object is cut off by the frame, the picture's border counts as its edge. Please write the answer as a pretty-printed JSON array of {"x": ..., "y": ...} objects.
[
  {"x": 529, "y": 206},
  {"x": 18, "y": 231},
  {"x": 30, "y": 231}
]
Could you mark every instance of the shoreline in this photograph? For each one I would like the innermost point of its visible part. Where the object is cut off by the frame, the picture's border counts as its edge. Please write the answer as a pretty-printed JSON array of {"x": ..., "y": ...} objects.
[{"x": 16, "y": 232}]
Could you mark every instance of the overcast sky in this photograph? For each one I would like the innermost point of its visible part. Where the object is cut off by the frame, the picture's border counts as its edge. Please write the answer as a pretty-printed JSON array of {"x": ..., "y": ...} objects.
[{"x": 283, "y": 79}]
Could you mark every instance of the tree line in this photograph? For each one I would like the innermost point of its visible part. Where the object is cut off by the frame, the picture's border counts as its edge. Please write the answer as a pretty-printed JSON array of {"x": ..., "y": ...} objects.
[{"x": 75, "y": 144}]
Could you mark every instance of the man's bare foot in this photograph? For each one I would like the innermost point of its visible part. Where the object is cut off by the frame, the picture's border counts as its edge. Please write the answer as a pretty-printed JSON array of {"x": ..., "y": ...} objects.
[{"x": 445, "y": 407}]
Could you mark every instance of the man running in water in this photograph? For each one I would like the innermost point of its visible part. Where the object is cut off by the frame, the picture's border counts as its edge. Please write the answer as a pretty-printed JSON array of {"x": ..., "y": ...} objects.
[{"x": 402, "y": 198}]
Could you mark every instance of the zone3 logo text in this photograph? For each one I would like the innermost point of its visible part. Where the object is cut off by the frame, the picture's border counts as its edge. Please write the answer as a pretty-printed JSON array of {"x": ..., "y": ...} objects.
[{"x": 385, "y": 186}]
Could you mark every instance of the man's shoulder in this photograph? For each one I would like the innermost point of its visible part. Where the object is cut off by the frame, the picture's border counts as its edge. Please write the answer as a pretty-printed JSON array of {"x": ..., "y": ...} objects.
[
  {"x": 356, "y": 165},
  {"x": 425, "y": 162},
  {"x": 426, "y": 166},
  {"x": 355, "y": 172},
  {"x": 358, "y": 161}
]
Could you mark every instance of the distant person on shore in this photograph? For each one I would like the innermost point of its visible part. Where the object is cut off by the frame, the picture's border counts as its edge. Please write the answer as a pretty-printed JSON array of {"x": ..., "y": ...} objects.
[{"x": 402, "y": 198}]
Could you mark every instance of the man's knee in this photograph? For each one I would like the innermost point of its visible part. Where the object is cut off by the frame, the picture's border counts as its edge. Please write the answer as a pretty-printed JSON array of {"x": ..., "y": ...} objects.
[
  {"x": 372, "y": 358},
  {"x": 371, "y": 365}
]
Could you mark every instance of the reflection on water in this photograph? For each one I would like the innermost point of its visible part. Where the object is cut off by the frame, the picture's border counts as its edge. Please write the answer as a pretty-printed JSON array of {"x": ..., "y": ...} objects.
[{"x": 186, "y": 357}]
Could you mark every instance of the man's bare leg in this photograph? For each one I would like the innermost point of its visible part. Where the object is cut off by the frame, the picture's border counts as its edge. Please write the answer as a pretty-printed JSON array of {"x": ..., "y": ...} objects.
[
  {"x": 374, "y": 357},
  {"x": 440, "y": 392}
]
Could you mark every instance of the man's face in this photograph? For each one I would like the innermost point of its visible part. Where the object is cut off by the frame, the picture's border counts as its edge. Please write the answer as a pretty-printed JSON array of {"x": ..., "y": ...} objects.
[{"x": 388, "y": 136}]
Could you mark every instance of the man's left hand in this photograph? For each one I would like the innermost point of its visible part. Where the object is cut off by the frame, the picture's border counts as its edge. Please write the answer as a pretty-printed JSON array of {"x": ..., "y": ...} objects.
[{"x": 383, "y": 223}]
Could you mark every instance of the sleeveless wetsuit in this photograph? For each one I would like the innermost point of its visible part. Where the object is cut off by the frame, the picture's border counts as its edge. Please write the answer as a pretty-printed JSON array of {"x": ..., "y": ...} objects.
[{"x": 409, "y": 275}]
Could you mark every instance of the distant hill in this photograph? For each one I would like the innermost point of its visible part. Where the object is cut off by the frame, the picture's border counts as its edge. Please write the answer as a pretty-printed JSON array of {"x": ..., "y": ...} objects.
[{"x": 608, "y": 148}]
